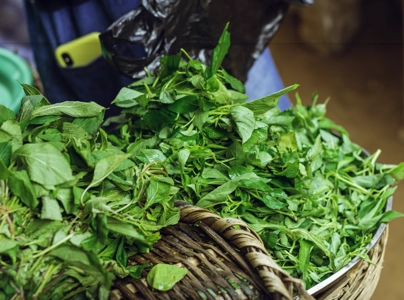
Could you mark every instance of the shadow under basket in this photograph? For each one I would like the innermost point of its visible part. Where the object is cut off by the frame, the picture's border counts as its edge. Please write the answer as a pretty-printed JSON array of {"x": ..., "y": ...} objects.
[{"x": 226, "y": 259}]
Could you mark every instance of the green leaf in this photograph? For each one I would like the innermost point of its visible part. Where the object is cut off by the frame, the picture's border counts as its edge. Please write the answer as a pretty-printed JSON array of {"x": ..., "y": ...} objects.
[
  {"x": 245, "y": 121},
  {"x": 288, "y": 142},
  {"x": 157, "y": 192},
  {"x": 6, "y": 114},
  {"x": 273, "y": 203},
  {"x": 91, "y": 125},
  {"x": 219, "y": 194},
  {"x": 219, "y": 53},
  {"x": 234, "y": 82},
  {"x": 141, "y": 144},
  {"x": 28, "y": 104},
  {"x": 121, "y": 255},
  {"x": 131, "y": 231},
  {"x": 163, "y": 277},
  {"x": 70, "y": 108},
  {"x": 7, "y": 244},
  {"x": 13, "y": 129},
  {"x": 304, "y": 257},
  {"x": 5, "y": 153},
  {"x": 104, "y": 167},
  {"x": 21, "y": 186},
  {"x": 264, "y": 104},
  {"x": 291, "y": 170},
  {"x": 136, "y": 271},
  {"x": 169, "y": 64},
  {"x": 129, "y": 98},
  {"x": 10, "y": 248},
  {"x": 154, "y": 155},
  {"x": 315, "y": 150},
  {"x": 184, "y": 104},
  {"x": 110, "y": 250},
  {"x": 50, "y": 209},
  {"x": 328, "y": 124},
  {"x": 30, "y": 90},
  {"x": 398, "y": 172},
  {"x": 44, "y": 163},
  {"x": 390, "y": 215},
  {"x": 368, "y": 181}
]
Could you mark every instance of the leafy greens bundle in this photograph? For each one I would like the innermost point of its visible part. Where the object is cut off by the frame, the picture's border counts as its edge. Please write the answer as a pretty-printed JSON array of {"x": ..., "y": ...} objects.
[
  {"x": 76, "y": 199},
  {"x": 295, "y": 177},
  {"x": 73, "y": 207}
]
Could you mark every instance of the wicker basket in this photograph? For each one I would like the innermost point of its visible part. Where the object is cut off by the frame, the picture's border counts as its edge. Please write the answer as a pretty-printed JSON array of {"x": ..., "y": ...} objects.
[
  {"x": 224, "y": 257},
  {"x": 227, "y": 260}
]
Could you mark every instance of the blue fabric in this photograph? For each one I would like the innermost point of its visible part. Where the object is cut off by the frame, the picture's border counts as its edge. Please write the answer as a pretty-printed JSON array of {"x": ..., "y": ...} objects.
[
  {"x": 263, "y": 79},
  {"x": 52, "y": 23}
]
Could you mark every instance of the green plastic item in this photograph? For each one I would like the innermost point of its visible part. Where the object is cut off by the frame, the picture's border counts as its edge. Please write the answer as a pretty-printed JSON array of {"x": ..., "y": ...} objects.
[{"x": 13, "y": 71}]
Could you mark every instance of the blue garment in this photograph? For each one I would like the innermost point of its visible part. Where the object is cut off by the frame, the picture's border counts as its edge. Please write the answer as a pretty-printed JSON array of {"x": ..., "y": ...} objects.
[
  {"x": 263, "y": 79},
  {"x": 52, "y": 23}
]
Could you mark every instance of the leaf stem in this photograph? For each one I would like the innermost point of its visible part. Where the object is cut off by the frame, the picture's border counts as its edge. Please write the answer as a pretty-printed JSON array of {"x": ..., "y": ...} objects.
[{"x": 54, "y": 246}]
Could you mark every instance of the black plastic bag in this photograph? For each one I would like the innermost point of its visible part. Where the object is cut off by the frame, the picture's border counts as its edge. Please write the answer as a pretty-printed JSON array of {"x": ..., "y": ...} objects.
[{"x": 162, "y": 27}]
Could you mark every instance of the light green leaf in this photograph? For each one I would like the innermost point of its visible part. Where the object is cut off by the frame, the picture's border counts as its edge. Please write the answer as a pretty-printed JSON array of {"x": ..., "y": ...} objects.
[
  {"x": 398, "y": 172},
  {"x": 304, "y": 257},
  {"x": 7, "y": 244},
  {"x": 163, "y": 277},
  {"x": 103, "y": 168},
  {"x": 129, "y": 98},
  {"x": 12, "y": 128},
  {"x": 264, "y": 104},
  {"x": 50, "y": 209},
  {"x": 44, "y": 163},
  {"x": 6, "y": 114},
  {"x": 245, "y": 121},
  {"x": 157, "y": 192},
  {"x": 70, "y": 108}
]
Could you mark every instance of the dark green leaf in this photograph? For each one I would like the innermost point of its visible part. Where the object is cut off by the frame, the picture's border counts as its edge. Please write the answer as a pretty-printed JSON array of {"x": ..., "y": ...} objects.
[
  {"x": 5, "y": 152},
  {"x": 21, "y": 186},
  {"x": 121, "y": 255},
  {"x": 169, "y": 64},
  {"x": 136, "y": 271}
]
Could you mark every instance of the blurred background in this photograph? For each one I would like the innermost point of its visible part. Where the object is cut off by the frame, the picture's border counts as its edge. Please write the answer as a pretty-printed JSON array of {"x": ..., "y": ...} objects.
[
  {"x": 13, "y": 31},
  {"x": 347, "y": 50}
]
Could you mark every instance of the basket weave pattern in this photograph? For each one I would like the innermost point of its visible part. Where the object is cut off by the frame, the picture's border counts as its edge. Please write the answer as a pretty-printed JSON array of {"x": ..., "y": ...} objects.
[{"x": 224, "y": 257}]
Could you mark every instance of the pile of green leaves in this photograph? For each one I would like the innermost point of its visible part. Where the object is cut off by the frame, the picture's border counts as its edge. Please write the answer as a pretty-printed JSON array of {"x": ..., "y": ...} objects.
[
  {"x": 77, "y": 199},
  {"x": 295, "y": 177},
  {"x": 73, "y": 206}
]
